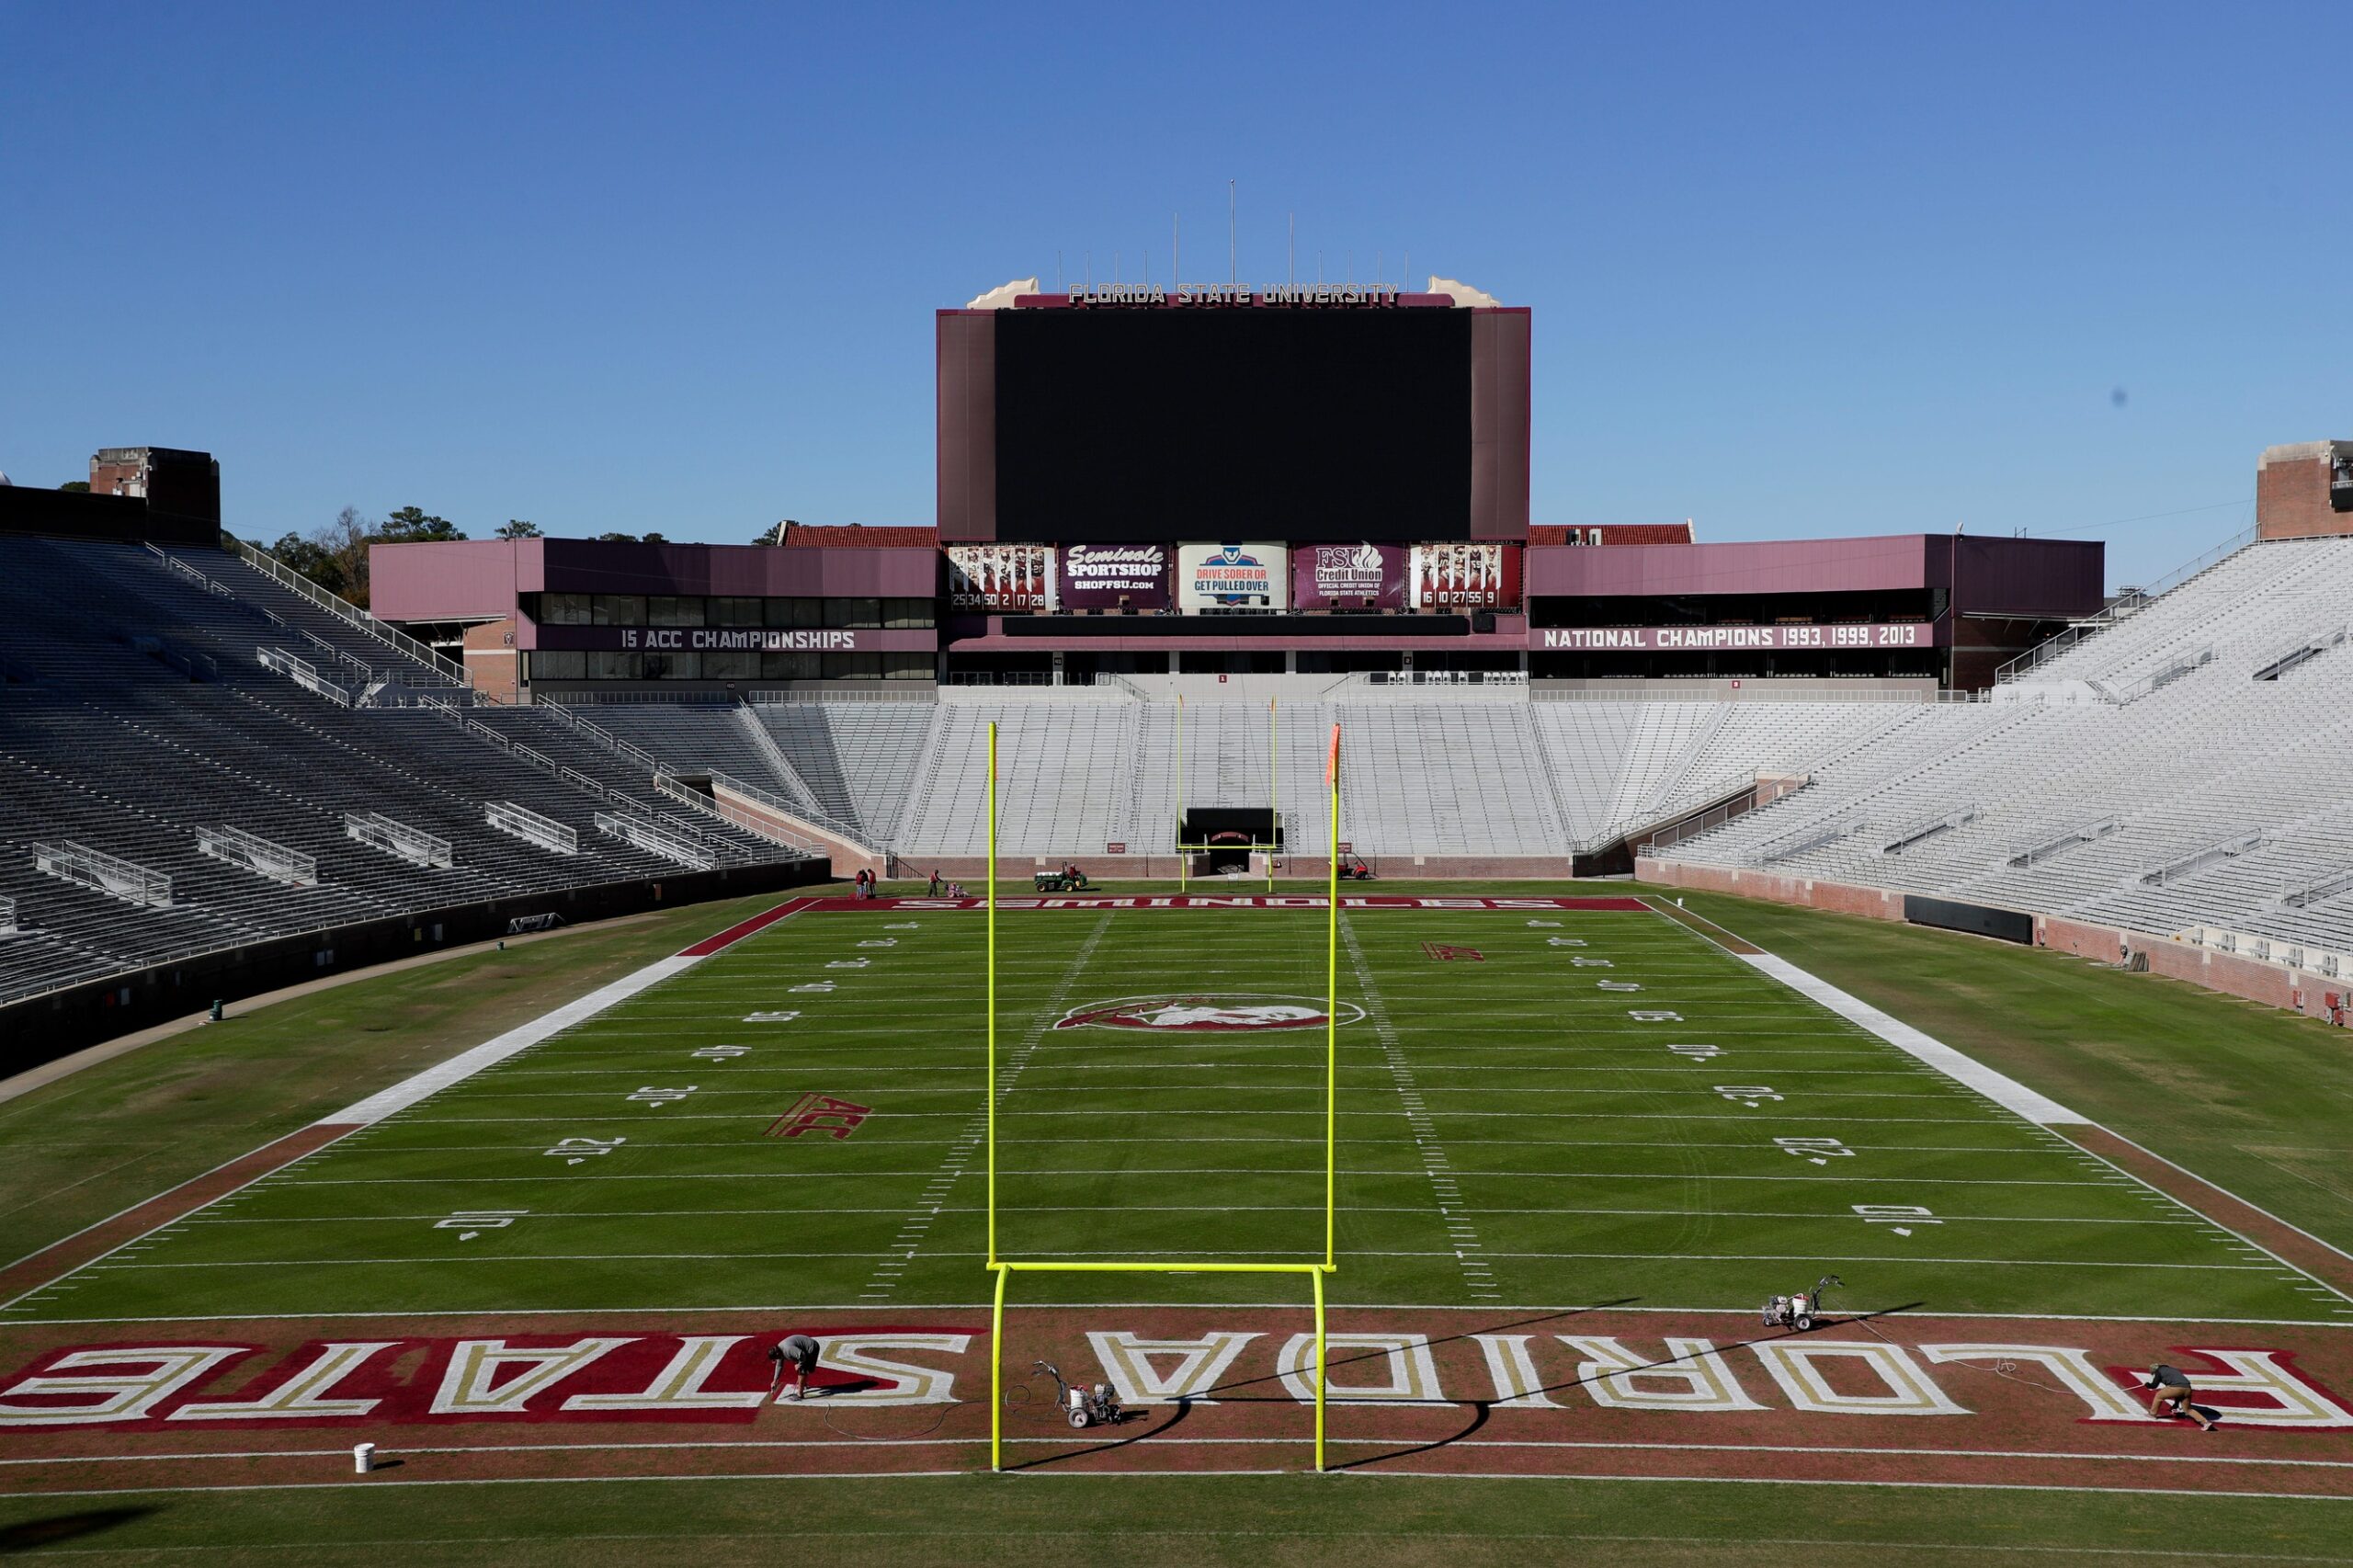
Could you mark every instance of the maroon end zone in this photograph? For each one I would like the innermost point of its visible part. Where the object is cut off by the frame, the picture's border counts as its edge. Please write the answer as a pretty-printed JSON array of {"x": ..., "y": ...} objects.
[{"x": 1900, "y": 1399}]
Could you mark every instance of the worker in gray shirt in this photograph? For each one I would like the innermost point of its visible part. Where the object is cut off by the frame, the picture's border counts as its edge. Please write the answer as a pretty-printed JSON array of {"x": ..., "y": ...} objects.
[
  {"x": 799, "y": 1352},
  {"x": 2170, "y": 1386}
]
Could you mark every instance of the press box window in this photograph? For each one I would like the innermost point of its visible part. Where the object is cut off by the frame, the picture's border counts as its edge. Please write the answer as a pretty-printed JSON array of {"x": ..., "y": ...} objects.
[
  {"x": 564, "y": 609},
  {"x": 668, "y": 609},
  {"x": 619, "y": 609},
  {"x": 559, "y": 666},
  {"x": 796, "y": 612},
  {"x": 735, "y": 612},
  {"x": 853, "y": 612},
  {"x": 907, "y": 615}
]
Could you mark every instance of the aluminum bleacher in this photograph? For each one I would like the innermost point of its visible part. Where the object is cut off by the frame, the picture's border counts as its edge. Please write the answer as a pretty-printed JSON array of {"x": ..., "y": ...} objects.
[
  {"x": 139, "y": 723},
  {"x": 2188, "y": 765}
]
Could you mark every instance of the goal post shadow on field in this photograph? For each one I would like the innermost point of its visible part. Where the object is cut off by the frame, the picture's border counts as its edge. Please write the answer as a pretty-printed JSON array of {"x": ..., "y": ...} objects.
[{"x": 1004, "y": 1269}]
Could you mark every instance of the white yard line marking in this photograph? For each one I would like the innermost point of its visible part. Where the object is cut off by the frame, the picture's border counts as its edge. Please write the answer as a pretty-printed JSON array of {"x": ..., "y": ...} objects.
[
  {"x": 959, "y": 1156},
  {"x": 2003, "y": 1090}
]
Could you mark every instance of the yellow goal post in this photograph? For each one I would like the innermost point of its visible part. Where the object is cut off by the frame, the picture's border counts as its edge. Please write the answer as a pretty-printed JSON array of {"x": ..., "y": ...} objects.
[{"x": 1004, "y": 1268}]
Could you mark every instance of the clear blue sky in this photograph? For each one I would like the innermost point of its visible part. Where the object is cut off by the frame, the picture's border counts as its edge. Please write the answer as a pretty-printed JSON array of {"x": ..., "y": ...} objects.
[{"x": 1808, "y": 270}]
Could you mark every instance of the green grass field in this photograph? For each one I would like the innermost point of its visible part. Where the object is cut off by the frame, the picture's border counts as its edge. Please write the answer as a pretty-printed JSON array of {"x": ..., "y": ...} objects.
[
  {"x": 1510, "y": 1131},
  {"x": 1510, "y": 1135}
]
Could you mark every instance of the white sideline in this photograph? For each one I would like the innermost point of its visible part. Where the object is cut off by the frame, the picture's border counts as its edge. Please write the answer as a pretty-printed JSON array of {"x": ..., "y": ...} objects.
[
  {"x": 491, "y": 1053},
  {"x": 2004, "y": 1091}
]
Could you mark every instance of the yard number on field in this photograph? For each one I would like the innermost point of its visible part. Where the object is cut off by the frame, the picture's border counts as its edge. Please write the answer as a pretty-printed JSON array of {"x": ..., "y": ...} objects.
[
  {"x": 1815, "y": 1151},
  {"x": 849, "y": 963},
  {"x": 471, "y": 1223},
  {"x": 784, "y": 1015},
  {"x": 1749, "y": 1095},
  {"x": 1901, "y": 1216},
  {"x": 572, "y": 1151},
  {"x": 1697, "y": 1053},
  {"x": 658, "y": 1097},
  {"x": 1654, "y": 1016},
  {"x": 820, "y": 987},
  {"x": 720, "y": 1053},
  {"x": 1564, "y": 941},
  {"x": 880, "y": 942}
]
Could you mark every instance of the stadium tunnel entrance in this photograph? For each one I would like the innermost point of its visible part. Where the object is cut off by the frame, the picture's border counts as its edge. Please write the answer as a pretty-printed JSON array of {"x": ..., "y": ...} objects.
[{"x": 1221, "y": 838}]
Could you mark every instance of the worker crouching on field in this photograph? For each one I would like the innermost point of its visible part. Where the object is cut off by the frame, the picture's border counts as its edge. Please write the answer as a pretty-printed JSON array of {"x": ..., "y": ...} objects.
[
  {"x": 2169, "y": 1386},
  {"x": 799, "y": 1352}
]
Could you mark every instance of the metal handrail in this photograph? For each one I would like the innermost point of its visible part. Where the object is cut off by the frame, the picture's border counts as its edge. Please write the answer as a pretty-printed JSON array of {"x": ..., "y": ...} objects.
[
  {"x": 286, "y": 576},
  {"x": 2043, "y": 652}
]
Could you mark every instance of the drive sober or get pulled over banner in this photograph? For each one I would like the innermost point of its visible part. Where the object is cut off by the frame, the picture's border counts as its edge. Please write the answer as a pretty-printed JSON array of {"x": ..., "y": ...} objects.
[
  {"x": 1000, "y": 576},
  {"x": 1349, "y": 576},
  {"x": 1233, "y": 576},
  {"x": 1107, "y": 577},
  {"x": 1466, "y": 576}
]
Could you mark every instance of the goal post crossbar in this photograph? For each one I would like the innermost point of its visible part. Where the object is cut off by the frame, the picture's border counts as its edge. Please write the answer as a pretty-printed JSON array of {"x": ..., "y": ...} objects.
[{"x": 1006, "y": 1269}]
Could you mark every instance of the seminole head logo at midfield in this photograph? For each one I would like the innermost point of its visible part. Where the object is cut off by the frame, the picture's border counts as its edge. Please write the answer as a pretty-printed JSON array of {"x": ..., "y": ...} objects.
[{"x": 1207, "y": 1013}]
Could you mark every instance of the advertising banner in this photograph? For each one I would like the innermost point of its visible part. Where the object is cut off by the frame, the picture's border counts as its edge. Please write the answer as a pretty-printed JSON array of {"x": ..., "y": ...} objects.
[
  {"x": 1105, "y": 576},
  {"x": 1233, "y": 576},
  {"x": 1715, "y": 639},
  {"x": 1466, "y": 576},
  {"x": 1349, "y": 576},
  {"x": 1000, "y": 576}
]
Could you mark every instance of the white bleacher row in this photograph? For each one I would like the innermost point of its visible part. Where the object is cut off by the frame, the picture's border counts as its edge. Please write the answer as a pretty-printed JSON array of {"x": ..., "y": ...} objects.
[
  {"x": 1427, "y": 776},
  {"x": 2238, "y": 789},
  {"x": 135, "y": 720}
]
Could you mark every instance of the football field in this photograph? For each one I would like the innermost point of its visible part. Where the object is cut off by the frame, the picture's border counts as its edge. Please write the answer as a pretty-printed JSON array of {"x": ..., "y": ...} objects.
[{"x": 1542, "y": 1103}]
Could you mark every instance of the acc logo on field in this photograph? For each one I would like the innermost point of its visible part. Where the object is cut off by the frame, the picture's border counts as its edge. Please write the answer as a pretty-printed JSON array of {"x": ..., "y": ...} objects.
[{"x": 1215, "y": 1013}]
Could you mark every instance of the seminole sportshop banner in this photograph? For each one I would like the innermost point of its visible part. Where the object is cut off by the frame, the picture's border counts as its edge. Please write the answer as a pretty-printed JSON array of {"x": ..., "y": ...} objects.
[{"x": 1110, "y": 577}]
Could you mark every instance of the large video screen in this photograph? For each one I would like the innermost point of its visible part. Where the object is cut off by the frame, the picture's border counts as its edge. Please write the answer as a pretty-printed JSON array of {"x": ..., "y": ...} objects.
[{"x": 1213, "y": 422}]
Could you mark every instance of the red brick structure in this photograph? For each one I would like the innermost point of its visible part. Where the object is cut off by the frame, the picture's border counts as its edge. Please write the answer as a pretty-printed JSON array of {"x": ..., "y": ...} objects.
[{"x": 2304, "y": 491}]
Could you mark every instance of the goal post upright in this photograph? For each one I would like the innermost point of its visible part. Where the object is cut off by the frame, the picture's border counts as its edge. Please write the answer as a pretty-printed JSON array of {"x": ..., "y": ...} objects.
[
  {"x": 1332, "y": 1019},
  {"x": 1005, "y": 1267},
  {"x": 992, "y": 1008}
]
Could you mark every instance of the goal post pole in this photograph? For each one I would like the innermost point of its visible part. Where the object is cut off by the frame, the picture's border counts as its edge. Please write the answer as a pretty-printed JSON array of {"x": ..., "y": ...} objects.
[
  {"x": 1331, "y": 1037},
  {"x": 1317, "y": 1275},
  {"x": 997, "y": 1371},
  {"x": 991, "y": 1085}
]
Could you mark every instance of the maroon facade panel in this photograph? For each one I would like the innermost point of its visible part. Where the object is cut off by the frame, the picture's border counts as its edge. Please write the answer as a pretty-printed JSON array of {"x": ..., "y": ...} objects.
[
  {"x": 2037, "y": 577},
  {"x": 967, "y": 425},
  {"x": 484, "y": 578},
  {"x": 1501, "y": 370},
  {"x": 475, "y": 579},
  {"x": 1995, "y": 576}
]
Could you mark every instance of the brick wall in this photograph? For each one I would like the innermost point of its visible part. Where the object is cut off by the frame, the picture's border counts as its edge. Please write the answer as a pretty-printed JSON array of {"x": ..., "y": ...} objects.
[{"x": 2291, "y": 494}]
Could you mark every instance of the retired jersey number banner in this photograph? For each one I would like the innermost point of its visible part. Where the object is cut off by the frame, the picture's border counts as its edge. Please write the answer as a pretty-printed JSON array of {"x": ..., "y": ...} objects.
[
  {"x": 1466, "y": 576},
  {"x": 1349, "y": 576},
  {"x": 1233, "y": 576},
  {"x": 1108, "y": 577},
  {"x": 1000, "y": 576}
]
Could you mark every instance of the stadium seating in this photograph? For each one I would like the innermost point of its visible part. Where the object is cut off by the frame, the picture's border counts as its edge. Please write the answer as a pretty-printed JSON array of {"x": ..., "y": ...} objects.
[
  {"x": 2186, "y": 765},
  {"x": 136, "y": 714}
]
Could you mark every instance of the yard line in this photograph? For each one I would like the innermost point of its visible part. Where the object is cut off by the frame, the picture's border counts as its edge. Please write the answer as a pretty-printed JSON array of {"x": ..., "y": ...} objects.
[
  {"x": 952, "y": 1166},
  {"x": 1210, "y": 1170},
  {"x": 1206, "y": 1255}
]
